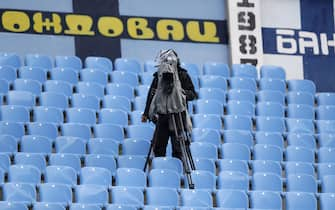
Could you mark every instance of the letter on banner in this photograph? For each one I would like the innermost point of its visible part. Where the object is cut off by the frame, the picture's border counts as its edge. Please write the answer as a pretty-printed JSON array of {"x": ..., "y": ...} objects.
[
  {"x": 79, "y": 25},
  {"x": 308, "y": 40},
  {"x": 209, "y": 35},
  {"x": 110, "y": 26},
  {"x": 15, "y": 21},
  {"x": 47, "y": 24},
  {"x": 167, "y": 28},
  {"x": 325, "y": 43},
  {"x": 138, "y": 28},
  {"x": 286, "y": 42}
]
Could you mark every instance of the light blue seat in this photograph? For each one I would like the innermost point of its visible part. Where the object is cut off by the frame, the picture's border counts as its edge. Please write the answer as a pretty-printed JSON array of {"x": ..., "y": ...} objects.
[
  {"x": 10, "y": 59},
  {"x": 267, "y": 152},
  {"x": 270, "y": 109},
  {"x": 302, "y": 140},
  {"x": 270, "y": 96},
  {"x": 33, "y": 86},
  {"x": 81, "y": 206},
  {"x": 300, "y": 200},
  {"x": 202, "y": 180},
  {"x": 35, "y": 159},
  {"x": 5, "y": 161},
  {"x": 204, "y": 150},
  {"x": 120, "y": 207},
  {"x": 104, "y": 146},
  {"x": 93, "y": 75},
  {"x": 324, "y": 169},
  {"x": 142, "y": 89},
  {"x": 272, "y": 138},
  {"x": 7, "y": 73},
  {"x": 171, "y": 163},
  {"x": 53, "y": 99},
  {"x": 59, "y": 86},
  {"x": 196, "y": 198},
  {"x": 135, "y": 117},
  {"x": 68, "y": 61},
  {"x": 40, "y": 60},
  {"x": 12, "y": 128},
  {"x": 300, "y": 125},
  {"x": 325, "y": 98},
  {"x": 302, "y": 154},
  {"x": 326, "y": 201},
  {"x": 121, "y": 89},
  {"x": 101, "y": 160},
  {"x": 135, "y": 146},
  {"x": 24, "y": 174},
  {"x": 232, "y": 180},
  {"x": 272, "y": 71},
  {"x": 237, "y": 122},
  {"x": 24, "y": 193},
  {"x": 95, "y": 176},
  {"x": 272, "y": 84},
  {"x": 266, "y": 182},
  {"x": 238, "y": 136},
  {"x": 297, "y": 168},
  {"x": 244, "y": 70},
  {"x": 60, "y": 174},
  {"x": 159, "y": 196},
  {"x": 128, "y": 196},
  {"x": 326, "y": 155},
  {"x": 70, "y": 144},
  {"x": 81, "y": 115},
  {"x": 21, "y": 97},
  {"x": 90, "y": 88},
  {"x": 195, "y": 82},
  {"x": 241, "y": 95},
  {"x": 79, "y": 100},
  {"x": 48, "y": 205},
  {"x": 55, "y": 193},
  {"x": 91, "y": 194},
  {"x": 301, "y": 85},
  {"x": 301, "y": 183},
  {"x": 209, "y": 106},
  {"x": 149, "y": 66},
  {"x": 4, "y": 87},
  {"x": 130, "y": 78},
  {"x": 29, "y": 142},
  {"x": 206, "y": 135},
  {"x": 46, "y": 114},
  {"x": 326, "y": 139},
  {"x": 131, "y": 161},
  {"x": 207, "y": 121},
  {"x": 131, "y": 177},
  {"x": 99, "y": 62},
  {"x": 139, "y": 103},
  {"x": 233, "y": 165},
  {"x": 266, "y": 166},
  {"x": 8, "y": 205},
  {"x": 33, "y": 72},
  {"x": 300, "y": 111},
  {"x": 270, "y": 124},
  {"x": 213, "y": 81},
  {"x": 8, "y": 145},
  {"x": 146, "y": 78},
  {"x": 191, "y": 68},
  {"x": 108, "y": 130},
  {"x": 300, "y": 97},
  {"x": 49, "y": 130},
  {"x": 212, "y": 93},
  {"x": 67, "y": 74},
  {"x": 232, "y": 199},
  {"x": 216, "y": 68},
  {"x": 205, "y": 164},
  {"x": 235, "y": 151},
  {"x": 65, "y": 159},
  {"x": 325, "y": 112},
  {"x": 164, "y": 178},
  {"x": 265, "y": 200},
  {"x": 116, "y": 102},
  {"x": 144, "y": 131},
  {"x": 14, "y": 113},
  {"x": 128, "y": 64},
  {"x": 76, "y": 130},
  {"x": 241, "y": 83},
  {"x": 325, "y": 126}
]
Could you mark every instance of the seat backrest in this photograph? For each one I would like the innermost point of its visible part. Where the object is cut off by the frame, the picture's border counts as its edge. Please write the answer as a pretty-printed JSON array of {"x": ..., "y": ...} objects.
[
  {"x": 61, "y": 174},
  {"x": 116, "y": 102},
  {"x": 196, "y": 198},
  {"x": 128, "y": 196},
  {"x": 7, "y": 73},
  {"x": 301, "y": 111},
  {"x": 144, "y": 131},
  {"x": 270, "y": 124},
  {"x": 266, "y": 182},
  {"x": 272, "y": 84},
  {"x": 164, "y": 178},
  {"x": 213, "y": 81},
  {"x": 53, "y": 99},
  {"x": 171, "y": 163},
  {"x": 128, "y": 64},
  {"x": 159, "y": 196},
  {"x": 301, "y": 183},
  {"x": 110, "y": 131},
  {"x": 24, "y": 174},
  {"x": 234, "y": 199},
  {"x": 98, "y": 62},
  {"x": 104, "y": 146},
  {"x": 121, "y": 89},
  {"x": 67, "y": 74},
  {"x": 81, "y": 115},
  {"x": 8, "y": 146},
  {"x": 30, "y": 85},
  {"x": 265, "y": 200},
  {"x": 326, "y": 201},
  {"x": 76, "y": 130},
  {"x": 21, "y": 97},
  {"x": 94, "y": 75},
  {"x": 243, "y": 83},
  {"x": 233, "y": 165},
  {"x": 101, "y": 160},
  {"x": 297, "y": 97},
  {"x": 271, "y": 109},
  {"x": 70, "y": 144},
  {"x": 130, "y": 177},
  {"x": 237, "y": 122},
  {"x": 79, "y": 100},
  {"x": 29, "y": 142},
  {"x": 266, "y": 166},
  {"x": 59, "y": 86},
  {"x": 238, "y": 136},
  {"x": 272, "y": 71},
  {"x": 95, "y": 176},
  {"x": 91, "y": 194},
  {"x": 65, "y": 159},
  {"x": 301, "y": 85},
  {"x": 326, "y": 155},
  {"x": 55, "y": 193},
  {"x": 68, "y": 62},
  {"x": 131, "y": 161},
  {"x": 241, "y": 95},
  {"x": 271, "y": 96},
  {"x": 267, "y": 152},
  {"x": 35, "y": 159},
  {"x": 47, "y": 114},
  {"x": 244, "y": 70},
  {"x": 300, "y": 200},
  {"x": 303, "y": 154},
  {"x": 302, "y": 140},
  {"x": 39, "y": 60},
  {"x": 273, "y": 138},
  {"x": 90, "y": 88},
  {"x": 232, "y": 180},
  {"x": 135, "y": 146},
  {"x": 49, "y": 130},
  {"x": 235, "y": 151},
  {"x": 19, "y": 193},
  {"x": 216, "y": 68},
  {"x": 12, "y": 128},
  {"x": 325, "y": 98}
]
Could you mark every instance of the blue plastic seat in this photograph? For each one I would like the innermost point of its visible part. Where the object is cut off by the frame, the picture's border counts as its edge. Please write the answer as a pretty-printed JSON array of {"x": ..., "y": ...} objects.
[
  {"x": 135, "y": 146},
  {"x": 121, "y": 89},
  {"x": 149, "y": 66},
  {"x": 67, "y": 74},
  {"x": 270, "y": 124},
  {"x": 14, "y": 113},
  {"x": 131, "y": 161},
  {"x": 24, "y": 174},
  {"x": 216, "y": 68},
  {"x": 12, "y": 128},
  {"x": 91, "y": 194},
  {"x": 207, "y": 121},
  {"x": 81, "y": 115},
  {"x": 94, "y": 75},
  {"x": 205, "y": 164},
  {"x": 5, "y": 161},
  {"x": 326, "y": 155},
  {"x": 325, "y": 112},
  {"x": 35, "y": 159},
  {"x": 29, "y": 142},
  {"x": 101, "y": 160},
  {"x": 171, "y": 163},
  {"x": 81, "y": 206},
  {"x": 55, "y": 193},
  {"x": 142, "y": 89},
  {"x": 267, "y": 152},
  {"x": 43, "y": 61},
  {"x": 327, "y": 201},
  {"x": 49, "y": 130},
  {"x": 116, "y": 102},
  {"x": 325, "y": 126},
  {"x": 324, "y": 169},
  {"x": 301, "y": 183},
  {"x": 265, "y": 200},
  {"x": 244, "y": 70},
  {"x": 164, "y": 178},
  {"x": 243, "y": 83},
  {"x": 24, "y": 193},
  {"x": 204, "y": 150},
  {"x": 297, "y": 168},
  {"x": 108, "y": 130},
  {"x": 7, "y": 73},
  {"x": 270, "y": 109},
  {"x": 302, "y": 140},
  {"x": 90, "y": 88},
  {"x": 53, "y": 99},
  {"x": 103, "y": 146},
  {"x": 266, "y": 166},
  {"x": 270, "y": 96},
  {"x": 48, "y": 205},
  {"x": 300, "y": 200},
  {"x": 326, "y": 139},
  {"x": 135, "y": 117},
  {"x": 206, "y": 135},
  {"x": 130, "y": 78},
  {"x": 95, "y": 176},
  {"x": 301, "y": 85},
  {"x": 33, "y": 86},
  {"x": 21, "y": 97},
  {"x": 203, "y": 180},
  {"x": 302, "y": 154},
  {"x": 231, "y": 199},
  {"x": 237, "y": 122},
  {"x": 8, "y": 205},
  {"x": 191, "y": 68},
  {"x": 127, "y": 196},
  {"x": 146, "y": 78},
  {"x": 299, "y": 97},
  {"x": 266, "y": 182},
  {"x": 59, "y": 86},
  {"x": 212, "y": 93},
  {"x": 99, "y": 62},
  {"x": 127, "y": 64},
  {"x": 233, "y": 165},
  {"x": 272, "y": 138},
  {"x": 328, "y": 184},
  {"x": 139, "y": 103},
  {"x": 301, "y": 111},
  {"x": 272, "y": 71},
  {"x": 60, "y": 174},
  {"x": 325, "y": 98},
  {"x": 241, "y": 95},
  {"x": 67, "y": 159},
  {"x": 11, "y": 59},
  {"x": 131, "y": 177},
  {"x": 79, "y": 100},
  {"x": 45, "y": 114},
  {"x": 213, "y": 81},
  {"x": 76, "y": 130},
  {"x": 144, "y": 131},
  {"x": 33, "y": 73},
  {"x": 232, "y": 180},
  {"x": 196, "y": 198},
  {"x": 4, "y": 87},
  {"x": 208, "y": 106},
  {"x": 300, "y": 125},
  {"x": 70, "y": 144},
  {"x": 159, "y": 196},
  {"x": 68, "y": 61},
  {"x": 235, "y": 151},
  {"x": 272, "y": 84}
]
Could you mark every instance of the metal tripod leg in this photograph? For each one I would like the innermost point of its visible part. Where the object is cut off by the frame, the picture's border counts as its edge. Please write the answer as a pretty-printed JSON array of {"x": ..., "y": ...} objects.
[
  {"x": 185, "y": 156},
  {"x": 152, "y": 146}
]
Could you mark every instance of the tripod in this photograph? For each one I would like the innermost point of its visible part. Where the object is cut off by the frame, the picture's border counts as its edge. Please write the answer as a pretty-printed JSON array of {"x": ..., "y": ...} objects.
[{"x": 182, "y": 136}]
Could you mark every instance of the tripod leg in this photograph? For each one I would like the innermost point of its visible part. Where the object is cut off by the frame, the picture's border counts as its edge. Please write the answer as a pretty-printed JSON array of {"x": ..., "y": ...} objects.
[{"x": 152, "y": 146}]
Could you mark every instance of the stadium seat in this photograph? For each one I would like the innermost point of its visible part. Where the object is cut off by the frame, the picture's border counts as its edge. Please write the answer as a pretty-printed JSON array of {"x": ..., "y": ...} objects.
[
  {"x": 80, "y": 206},
  {"x": 302, "y": 140},
  {"x": 135, "y": 146},
  {"x": 191, "y": 68},
  {"x": 8, "y": 144},
  {"x": 76, "y": 130},
  {"x": 93, "y": 75},
  {"x": 146, "y": 78},
  {"x": 127, "y": 196},
  {"x": 20, "y": 97},
  {"x": 272, "y": 84},
  {"x": 139, "y": 103},
  {"x": 101, "y": 160},
  {"x": 195, "y": 199},
  {"x": 135, "y": 118},
  {"x": 171, "y": 163},
  {"x": 244, "y": 70},
  {"x": 270, "y": 124},
  {"x": 297, "y": 168},
  {"x": 33, "y": 73},
  {"x": 326, "y": 139},
  {"x": 326, "y": 201},
  {"x": 55, "y": 193},
  {"x": 4, "y": 87},
  {"x": 127, "y": 77},
  {"x": 60, "y": 174},
  {"x": 48, "y": 205},
  {"x": 67, "y": 159},
  {"x": 81, "y": 115},
  {"x": 302, "y": 154},
  {"x": 35, "y": 159},
  {"x": 46, "y": 114},
  {"x": 59, "y": 86},
  {"x": 266, "y": 182},
  {"x": 238, "y": 136},
  {"x": 266, "y": 166},
  {"x": 104, "y": 146},
  {"x": 29, "y": 142},
  {"x": 301, "y": 183},
  {"x": 149, "y": 66},
  {"x": 204, "y": 150},
  {"x": 325, "y": 112},
  {"x": 232, "y": 180},
  {"x": 131, "y": 161},
  {"x": 227, "y": 165},
  {"x": 240, "y": 108},
  {"x": 33, "y": 86},
  {"x": 89, "y": 88},
  {"x": 12, "y": 128},
  {"x": 79, "y": 100},
  {"x": 270, "y": 109},
  {"x": 131, "y": 177},
  {"x": 300, "y": 200},
  {"x": 237, "y": 122},
  {"x": 301, "y": 85},
  {"x": 325, "y": 98},
  {"x": 158, "y": 196},
  {"x": 24, "y": 193},
  {"x": 205, "y": 164},
  {"x": 109, "y": 131},
  {"x": 164, "y": 178},
  {"x": 67, "y": 74},
  {"x": 265, "y": 200},
  {"x": 202, "y": 180},
  {"x": 241, "y": 83},
  {"x": 267, "y": 152},
  {"x": 53, "y": 99},
  {"x": 326, "y": 155},
  {"x": 216, "y": 68},
  {"x": 299, "y": 97},
  {"x": 91, "y": 194},
  {"x": 272, "y": 71},
  {"x": 241, "y": 95},
  {"x": 8, "y": 205},
  {"x": 300, "y": 125},
  {"x": 99, "y": 62},
  {"x": 235, "y": 151},
  {"x": 39, "y": 60},
  {"x": 325, "y": 126},
  {"x": 300, "y": 111},
  {"x": 70, "y": 144},
  {"x": 8, "y": 73},
  {"x": 14, "y": 113},
  {"x": 127, "y": 64},
  {"x": 272, "y": 138},
  {"x": 49, "y": 130},
  {"x": 142, "y": 89},
  {"x": 213, "y": 81},
  {"x": 140, "y": 131},
  {"x": 270, "y": 96},
  {"x": 231, "y": 199},
  {"x": 116, "y": 102},
  {"x": 68, "y": 61},
  {"x": 207, "y": 121},
  {"x": 206, "y": 135},
  {"x": 95, "y": 176},
  {"x": 121, "y": 89},
  {"x": 10, "y": 59},
  {"x": 212, "y": 93},
  {"x": 208, "y": 106},
  {"x": 24, "y": 174},
  {"x": 5, "y": 160},
  {"x": 324, "y": 169}
]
